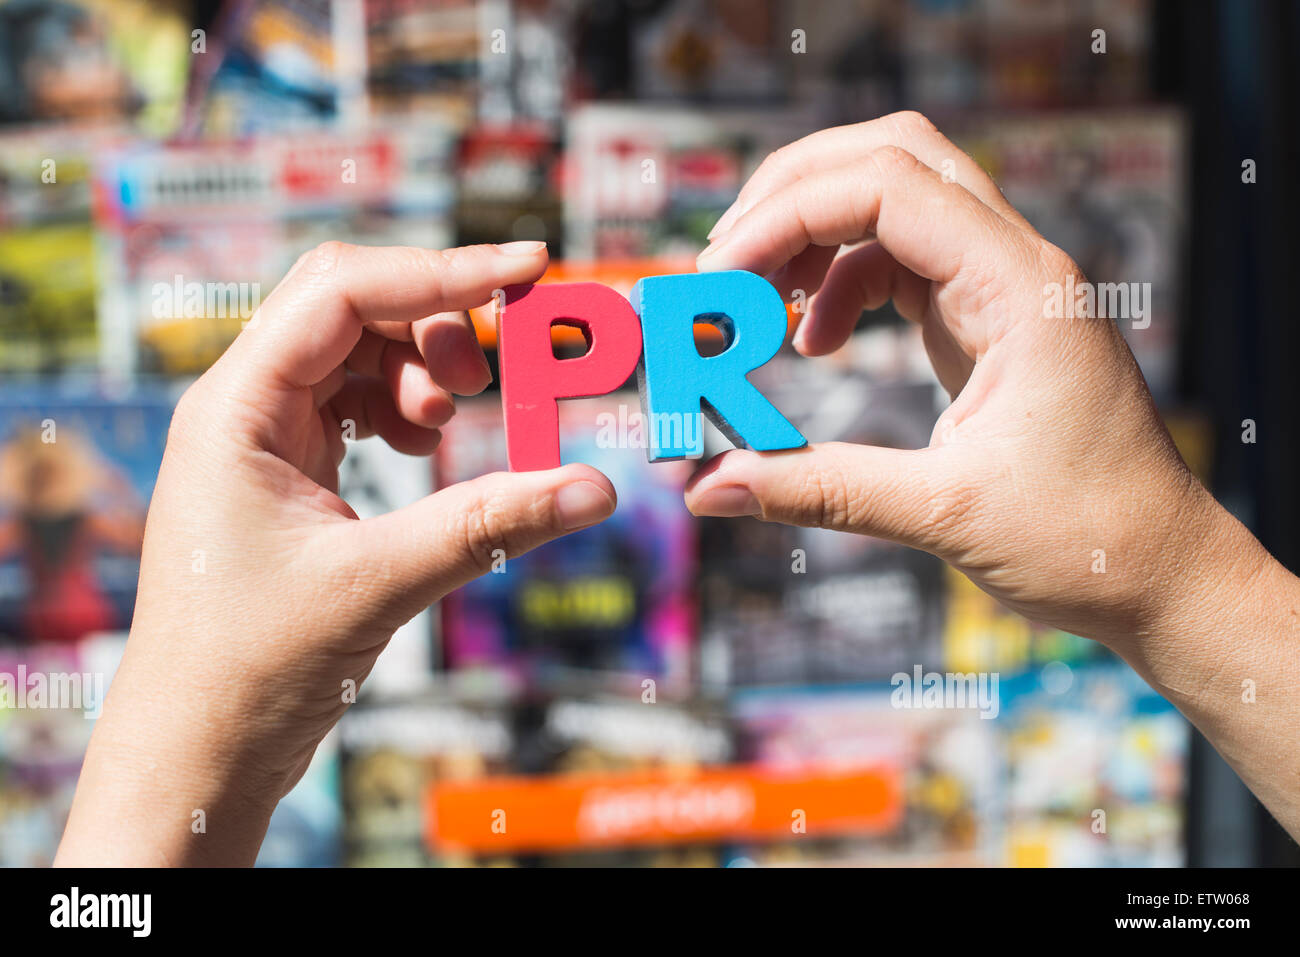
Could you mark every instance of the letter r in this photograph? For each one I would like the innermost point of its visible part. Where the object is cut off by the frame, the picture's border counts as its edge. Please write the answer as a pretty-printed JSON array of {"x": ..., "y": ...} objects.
[
  {"x": 676, "y": 380},
  {"x": 532, "y": 379}
]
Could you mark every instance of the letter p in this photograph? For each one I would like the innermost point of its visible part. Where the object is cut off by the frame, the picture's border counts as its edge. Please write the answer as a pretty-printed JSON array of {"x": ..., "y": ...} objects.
[{"x": 533, "y": 379}]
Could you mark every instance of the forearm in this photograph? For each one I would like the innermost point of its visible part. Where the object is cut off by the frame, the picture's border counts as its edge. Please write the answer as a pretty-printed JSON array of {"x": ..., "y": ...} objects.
[
  {"x": 163, "y": 789},
  {"x": 1226, "y": 652}
]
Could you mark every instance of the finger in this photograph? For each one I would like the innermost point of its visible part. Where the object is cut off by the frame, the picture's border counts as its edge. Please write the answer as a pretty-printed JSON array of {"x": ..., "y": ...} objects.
[
  {"x": 369, "y": 405},
  {"x": 932, "y": 228},
  {"x": 951, "y": 364},
  {"x": 805, "y": 272},
  {"x": 864, "y": 277},
  {"x": 367, "y": 356},
  {"x": 321, "y": 458},
  {"x": 417, "y": 397},
  {"x": 451, "y": 352},
  {"x": 313, "y": 320},
  {"x": 328, "y": 387},
  {"x": 901, "y": 495},
  {"x": 443, "y": 541},
  {"x": 838, "y": 146}
]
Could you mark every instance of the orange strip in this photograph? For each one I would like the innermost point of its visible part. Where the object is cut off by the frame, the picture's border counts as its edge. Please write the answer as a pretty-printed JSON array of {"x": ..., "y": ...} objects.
[
  {"x": 619, "y": 274},
  {"x": 659, "y": 807}
]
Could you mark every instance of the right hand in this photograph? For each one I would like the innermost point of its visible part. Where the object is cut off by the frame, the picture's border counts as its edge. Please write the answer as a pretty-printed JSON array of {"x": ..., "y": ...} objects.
[{"x": 1051, "y": 452}]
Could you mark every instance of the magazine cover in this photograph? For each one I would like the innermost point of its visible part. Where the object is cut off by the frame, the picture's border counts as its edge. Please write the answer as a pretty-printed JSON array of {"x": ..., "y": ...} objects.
[
  {"x": 78, "y": 468},
  {"x": 42, "y": 741},
  {"x": 1096, "y": 769},
  {"x": 47, "y": 252},
  {"x": 196, "y": 235},
  {"x": 1108, "y": 188},
  {"x": 272, "y": 65},
  {"x": 651, "y": 181},
  {"x": 422, "y": 57},
  {"x": 508, "y": 186},
  {"x": 393, "y": 753},
  {"x": 47, "y": 297},
  {"x": 576, "y": 734},
  {"x": 941, "y": 766},
  {"x": 615, "y": 739},
  {"x": 786, "y": 605},
  {"x": 616, "y": 597},
  {"x": 94, "y": 61},
  {"x": 374, "y": 479},
  {"x": 734, "y": 53}
]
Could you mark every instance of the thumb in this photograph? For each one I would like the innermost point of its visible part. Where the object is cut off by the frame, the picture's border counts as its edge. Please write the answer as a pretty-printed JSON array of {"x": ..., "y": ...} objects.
[
  {"x": 905, "y": 496},
  {"x": 433, "y": 546}
]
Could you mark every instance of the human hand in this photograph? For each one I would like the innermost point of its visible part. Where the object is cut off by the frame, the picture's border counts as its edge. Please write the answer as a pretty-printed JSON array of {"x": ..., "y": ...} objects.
[
  {"x": 1051, "y": 461},
  {"x": 1050, "y": 480},
  {"x": 263, "y": 600}
]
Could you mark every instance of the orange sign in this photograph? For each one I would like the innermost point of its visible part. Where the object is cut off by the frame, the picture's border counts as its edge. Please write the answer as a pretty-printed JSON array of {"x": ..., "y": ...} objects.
[{"x": 659, "y": 807}]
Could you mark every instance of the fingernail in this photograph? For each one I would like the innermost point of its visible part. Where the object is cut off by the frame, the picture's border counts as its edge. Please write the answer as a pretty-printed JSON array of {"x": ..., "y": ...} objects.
[
  {"x": 800, "y": 338},
  {"x": 712, "y": 249},
  {"x": 728, "y": 501},
  {"x": 582, "y": 504},
  {"x": 723, "y": 222},
  {"x": 484, "y": 378},
  {"x": 526, "y": 247}
]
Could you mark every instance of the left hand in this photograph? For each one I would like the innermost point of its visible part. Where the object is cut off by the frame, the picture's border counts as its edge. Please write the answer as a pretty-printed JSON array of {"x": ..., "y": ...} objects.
[{"x": 263, "y": 600}]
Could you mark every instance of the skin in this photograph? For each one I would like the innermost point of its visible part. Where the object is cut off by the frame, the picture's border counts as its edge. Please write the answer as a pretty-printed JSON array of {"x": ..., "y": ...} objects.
[
  {"x": 1050, "y": 450},
  {"x": 263, "y": 599}
]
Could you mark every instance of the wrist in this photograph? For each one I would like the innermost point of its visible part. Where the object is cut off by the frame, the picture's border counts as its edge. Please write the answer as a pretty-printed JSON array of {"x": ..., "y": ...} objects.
[
  {"x": 1210, "y": 569},
  {"x": 1223, "y": 651},
  {"x": 146, "y": 810},
  {"x": 162, "y": 788}
]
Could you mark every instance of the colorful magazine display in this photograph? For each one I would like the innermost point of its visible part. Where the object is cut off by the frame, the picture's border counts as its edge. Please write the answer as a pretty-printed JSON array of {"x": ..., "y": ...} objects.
[
  {"x": 610, "y": 598},
  {"x": 375, "y": 480},
  {"x": 78, "y": 468},
  {"x": 393, "y": 753},
  {"x": 1108, "y": 189},
  {"x": 197, "y": 235},
  {"x": 784, "y": 605},
  {"x": 650, "y": 181},
  {"x": 1096, "y": 770}
]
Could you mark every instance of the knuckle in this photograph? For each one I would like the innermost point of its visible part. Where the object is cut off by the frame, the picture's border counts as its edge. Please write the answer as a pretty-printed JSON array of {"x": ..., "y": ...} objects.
[
  {"x": 913, "y": 122},
  {"x": 440, "y": 260},
  {"x": 894, "y": 159},
  {"x": 327, "y": 257},
  {"x": 824, "y": 497},
  {"x": 952, "y": 514},
  {"x": 486, "y": 533},
  {"x": 442, "y": 265},
  {"x": 1056, "y": 261},
  {"x": 776, "y": 160},
  {"x": 774, "y": 168}
]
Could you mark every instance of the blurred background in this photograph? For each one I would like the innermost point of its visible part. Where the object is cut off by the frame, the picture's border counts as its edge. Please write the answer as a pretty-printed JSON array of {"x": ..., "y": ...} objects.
[{"x": 659, "y": 690}]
